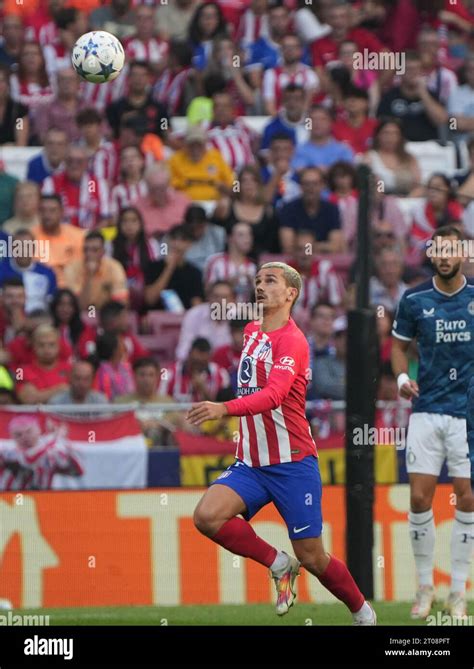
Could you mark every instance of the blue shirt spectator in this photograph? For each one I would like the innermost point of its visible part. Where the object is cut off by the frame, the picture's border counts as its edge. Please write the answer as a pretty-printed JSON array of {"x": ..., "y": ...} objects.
[
  {"x": 292, "y": 120},
  {"x": 50, "y": 160}
]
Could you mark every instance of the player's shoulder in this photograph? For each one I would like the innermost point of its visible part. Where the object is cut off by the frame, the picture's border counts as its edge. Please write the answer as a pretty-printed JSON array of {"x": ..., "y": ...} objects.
[{"x": 420, "y": 289}]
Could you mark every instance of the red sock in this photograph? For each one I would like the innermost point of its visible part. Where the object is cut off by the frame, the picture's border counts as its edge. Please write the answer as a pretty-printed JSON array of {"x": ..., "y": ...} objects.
[
  {"x": 338, "y": 580},
  {"x": 238, "y": 536}
]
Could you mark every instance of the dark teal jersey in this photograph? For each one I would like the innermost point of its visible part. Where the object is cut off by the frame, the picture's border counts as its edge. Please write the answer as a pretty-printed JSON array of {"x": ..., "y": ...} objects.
[{"x": 443, "y": 325}]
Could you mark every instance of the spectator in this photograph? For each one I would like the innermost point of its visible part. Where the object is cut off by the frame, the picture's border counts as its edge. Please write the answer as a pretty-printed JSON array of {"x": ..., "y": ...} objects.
[
  {"x": 208, "y": 320},
  {"x": 156, "y": 425},
  {"x": 281, "y": 184},
  {"x": 46, "y": 375},
  {"x": 254, "y": 23},
  {"x": 131, "y": 184},
  {"x": 118, "y": 18},
  {"x": 418, "y": 109},
  {"x": 292, "y": 70},
  {"x": 246, "y": 205},
  {"x": 436, "y": 210},
  {"x": 30, "y": 85},
  {"x": 229, "y": 135},
  {"x": 143, "y": 44},
  {"x": 12, "y": 310},
  {"x": 465, "y": 180},
  {"x": 115, "y": 318},
  {"x": 384, "y": 335},
  {"x": 174, "y": 283},
  {"x": 387, "y": 219},
  {"x": 134, "y": 252},
  {"x": 397, "y": 170},
  {"x": 71, "y": 23},
  {"x": 439, "y": 79},
  {"x": 64, "y": 240},
  {"x": 199, "y": 172},
  {"x": 321, "y": 330},
  {"x": 310, "y": 212},
  {"x": 329, "y": 371},
  {"x": 85, "y": 197},
  {"x": 26, "y": 208},
  {"x": 461, "y": 102},
  {"x": 208, "y": 238},
  {"x": 386, "y": 287},
  {"x": 101, "y": 153},
  {"x": 320, "y": 281},
  {"x": 234, "y": 265},
  {"x": 11, "y": 112},
  {"x": 114, "y": 374},
  {"x": 38, "y": 279},
  {"x": 197, "y": 378},
  {"x": 139, "y": 99},
  {"x": 175, "y": 86},
  {"x": 7, "y": 393},
  {"x": 356, "y": 129},
  {"x": 20, "y": 349},
  {"x": 361, "y": 79},
  {"x": 62, "y": 110},
  {"x": 342, "y": 181},
  {"x": 163, "y": 207},
  {"x": 79, "y": 336},
  {"x": 224, "y": 63},
  {"x": 207, "y": 24},
  {"x": 95, "y": 278},
  {"x": 322, "y": 150},
  {"x": 174, "y": 18},
  {"x": 326, "y": 49},
  {"x": 291, "y": 120},
  {"x": 13, "y": 34},
  {"x": 307, "y": 23},
  {"x": 228, "y": 357},
  {"x": 80, "y": 389},
  {"x": 51, "y": 159},
  {"x": 264, "y": 50}
]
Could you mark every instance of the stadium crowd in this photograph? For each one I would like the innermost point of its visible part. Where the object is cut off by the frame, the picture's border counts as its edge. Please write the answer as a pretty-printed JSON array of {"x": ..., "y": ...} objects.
[{"x": 150, "y": 225}]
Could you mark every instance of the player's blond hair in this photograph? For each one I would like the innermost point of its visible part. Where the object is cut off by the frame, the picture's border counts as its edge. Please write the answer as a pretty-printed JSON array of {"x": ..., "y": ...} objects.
[{"x": 291, "y": 276}]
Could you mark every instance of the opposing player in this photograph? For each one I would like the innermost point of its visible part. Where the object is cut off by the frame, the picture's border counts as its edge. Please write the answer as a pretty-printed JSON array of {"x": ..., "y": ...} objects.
[
  {"x": 439, "y": 314},
  {"x": 276, "y": 458}
]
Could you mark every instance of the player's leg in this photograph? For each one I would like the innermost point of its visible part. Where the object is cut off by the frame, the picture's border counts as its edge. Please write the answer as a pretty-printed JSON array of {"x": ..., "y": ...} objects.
[
  {"x": 424, "y": 458},
  {"x": 335, "y": 576},
  {"x": 215, "y": 516}
]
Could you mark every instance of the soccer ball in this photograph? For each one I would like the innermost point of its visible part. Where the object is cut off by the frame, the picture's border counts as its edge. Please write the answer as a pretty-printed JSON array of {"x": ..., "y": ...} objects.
[{"x": 98, "y": 57}]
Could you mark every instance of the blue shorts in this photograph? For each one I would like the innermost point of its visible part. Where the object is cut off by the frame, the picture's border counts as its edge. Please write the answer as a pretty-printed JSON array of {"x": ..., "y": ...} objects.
[{"x": 293, "y": 487}]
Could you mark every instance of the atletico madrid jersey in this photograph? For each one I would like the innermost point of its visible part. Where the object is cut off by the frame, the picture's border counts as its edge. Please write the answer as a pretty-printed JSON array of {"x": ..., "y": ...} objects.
[{"x": 272, "y": 378}]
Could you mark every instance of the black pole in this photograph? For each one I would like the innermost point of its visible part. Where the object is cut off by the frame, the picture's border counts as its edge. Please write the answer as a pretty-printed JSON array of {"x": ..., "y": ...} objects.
[{"x": 361, "y": 385}]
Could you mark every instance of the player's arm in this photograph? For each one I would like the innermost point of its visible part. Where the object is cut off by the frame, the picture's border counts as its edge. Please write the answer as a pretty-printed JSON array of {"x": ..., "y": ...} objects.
[
  {"x": 279, "y": 383},
  {"x": 404, "y": 330}
]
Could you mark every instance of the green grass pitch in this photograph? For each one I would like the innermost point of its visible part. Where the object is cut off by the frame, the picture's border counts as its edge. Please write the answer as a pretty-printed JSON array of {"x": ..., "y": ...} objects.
[{"x": 388, "y": 613}]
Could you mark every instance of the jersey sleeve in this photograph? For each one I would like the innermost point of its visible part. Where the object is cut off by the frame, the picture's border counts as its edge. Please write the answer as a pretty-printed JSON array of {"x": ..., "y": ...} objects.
[
  {"x": 289, "y": 360},
  {"x": 404, "y": 325}
]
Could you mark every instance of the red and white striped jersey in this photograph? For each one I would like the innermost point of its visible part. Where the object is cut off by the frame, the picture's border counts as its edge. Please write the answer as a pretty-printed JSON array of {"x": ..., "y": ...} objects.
[
  {"x": 272, "y": 379},
  {"x": 30, "y": 94},
  {"x": 38, "y": 464},
  {"x": 154, "y": 51},
  {"x": 125, "y": 195},
  {"x": 47, "y": 33},
  {"x": 56, "y": 57},
  {"x": 251, "y": 28},
  {"x": 220, "y": 267},
  {"x": 276, "y": 79},
  {"x": 323, "y": 284},
  {"x": 99, "y": 96},
  {"x": 234, "y": 143},
  {"x": 102, "y": 163},
  {"x": 169, "y": 89},
  {"x": 84, "y": 203},
  {"x": 177, "y": 382}
]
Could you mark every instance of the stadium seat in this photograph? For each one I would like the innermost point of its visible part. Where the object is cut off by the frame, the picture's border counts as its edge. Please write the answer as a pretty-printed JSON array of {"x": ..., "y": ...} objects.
[
  {"x": 433, "y": 157},
  {"x": 165, "y": 331}
]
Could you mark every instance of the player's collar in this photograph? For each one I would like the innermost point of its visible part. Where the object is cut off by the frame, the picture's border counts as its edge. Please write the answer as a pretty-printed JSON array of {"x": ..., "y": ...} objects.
[{"x": 438, "y": 290}]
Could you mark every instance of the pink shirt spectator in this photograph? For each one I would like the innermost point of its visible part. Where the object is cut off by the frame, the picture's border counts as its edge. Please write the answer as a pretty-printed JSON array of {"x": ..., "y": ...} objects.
[
  {"x": 197, "y": 322},
  {"x": 114, "y": 381},
  {"x": 159, "y": 220}
]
